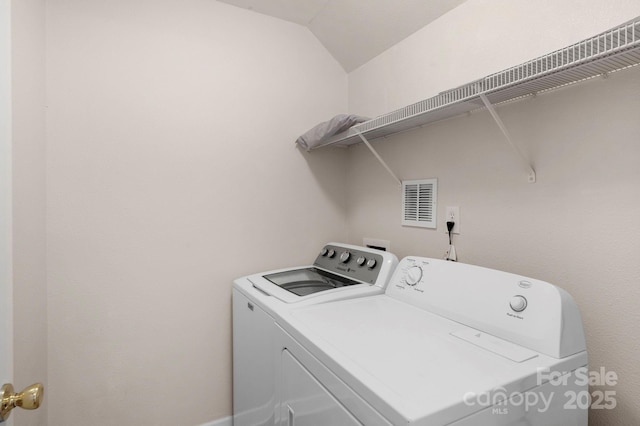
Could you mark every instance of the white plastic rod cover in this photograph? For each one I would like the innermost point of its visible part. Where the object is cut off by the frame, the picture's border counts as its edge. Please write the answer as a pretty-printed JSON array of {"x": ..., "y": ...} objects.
[
  {"x": 505, "y": 132},
  {"x": 375, "y": 153}
]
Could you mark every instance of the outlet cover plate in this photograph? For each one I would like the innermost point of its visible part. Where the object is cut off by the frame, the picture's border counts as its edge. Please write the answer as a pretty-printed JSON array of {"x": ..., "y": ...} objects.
[{"x": 452, "y": 213}]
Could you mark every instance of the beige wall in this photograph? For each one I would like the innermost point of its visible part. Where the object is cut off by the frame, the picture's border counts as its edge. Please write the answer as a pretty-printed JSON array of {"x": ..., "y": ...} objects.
[
  {"x": 476, "y": 39},
  {"x": 28, "y": 158},
  {"x": 171, "y": 170},
  {"x": 576, "y": 227}
]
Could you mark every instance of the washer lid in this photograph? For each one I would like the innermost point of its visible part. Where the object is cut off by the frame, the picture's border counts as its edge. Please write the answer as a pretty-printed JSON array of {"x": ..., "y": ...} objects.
[
  {"x": 306, "y": 281},
  {"x": 303, "y": 287},
  {"x": 415, "y": 363}
]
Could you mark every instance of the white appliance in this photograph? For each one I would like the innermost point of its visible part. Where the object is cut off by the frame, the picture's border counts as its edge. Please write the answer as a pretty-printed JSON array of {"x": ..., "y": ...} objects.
[
  {"x": 339, "y": 272},
  {"x": 446, "y": 344}
]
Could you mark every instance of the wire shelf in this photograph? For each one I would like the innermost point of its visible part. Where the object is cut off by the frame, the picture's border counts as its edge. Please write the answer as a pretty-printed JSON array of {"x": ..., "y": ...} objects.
[{"x": 611, "y": 51}]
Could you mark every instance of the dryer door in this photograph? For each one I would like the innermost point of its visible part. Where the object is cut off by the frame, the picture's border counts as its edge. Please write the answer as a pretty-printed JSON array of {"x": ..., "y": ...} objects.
[{"x": 305, "y": 402}]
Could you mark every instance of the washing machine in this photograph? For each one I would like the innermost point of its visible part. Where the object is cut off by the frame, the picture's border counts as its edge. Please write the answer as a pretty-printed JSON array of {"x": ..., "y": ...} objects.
[
  {"x": 446, "y": 344},
  {"x": 339, "y": 272}
]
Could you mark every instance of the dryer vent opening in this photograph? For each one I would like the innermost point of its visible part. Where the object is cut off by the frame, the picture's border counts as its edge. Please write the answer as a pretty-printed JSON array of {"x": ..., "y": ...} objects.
[{"x": 376, "y": 244}]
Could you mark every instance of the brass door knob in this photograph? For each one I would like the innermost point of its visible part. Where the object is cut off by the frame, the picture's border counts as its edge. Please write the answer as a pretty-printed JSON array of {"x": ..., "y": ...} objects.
[{"x": 29, "y": 399}]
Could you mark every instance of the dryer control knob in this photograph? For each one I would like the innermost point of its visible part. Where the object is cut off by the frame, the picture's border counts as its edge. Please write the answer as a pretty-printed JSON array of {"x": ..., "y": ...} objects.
[
  {"x": 361, "y": 260},
  {"x": 344, "y": 257},
  {"x": 324, "y": 252},
  {"x": 414, "y": 274},
  {"x": 518, "y": 303},
  {"x": 331, "y": 253},
  {"x": 371, "y": 263}
]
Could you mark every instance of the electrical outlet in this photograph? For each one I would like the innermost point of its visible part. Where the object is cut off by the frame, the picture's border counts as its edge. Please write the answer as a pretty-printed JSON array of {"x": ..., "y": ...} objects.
[{"x": 452, "y": 214}]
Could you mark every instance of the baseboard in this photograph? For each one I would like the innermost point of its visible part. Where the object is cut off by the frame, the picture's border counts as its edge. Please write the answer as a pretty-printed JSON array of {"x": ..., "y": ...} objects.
[{"x": 225, "y": 421}]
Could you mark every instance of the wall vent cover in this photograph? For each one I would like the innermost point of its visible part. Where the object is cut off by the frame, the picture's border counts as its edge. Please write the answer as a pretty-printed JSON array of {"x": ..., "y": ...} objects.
[{"x": 419, "y": 202}]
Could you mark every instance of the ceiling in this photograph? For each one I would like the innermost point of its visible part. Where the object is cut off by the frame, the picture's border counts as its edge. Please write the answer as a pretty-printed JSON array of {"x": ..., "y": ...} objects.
[{"x": 354, "y": 31}]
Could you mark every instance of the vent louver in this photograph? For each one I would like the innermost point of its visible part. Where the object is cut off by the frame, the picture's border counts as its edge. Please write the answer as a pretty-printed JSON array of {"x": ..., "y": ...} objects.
[{"x": 419, "y": 203}]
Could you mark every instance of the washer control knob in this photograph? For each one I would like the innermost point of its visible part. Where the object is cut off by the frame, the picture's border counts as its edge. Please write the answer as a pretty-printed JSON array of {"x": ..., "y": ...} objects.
[
  {"x": 324, "y": 252},
  {"x": 414, "y": 274},
  {"x": 518, "y": 303},
  {"x": 371, "y": 263},
  {"x": 344, "y": 257},
  {"x": 361, "y": 260},
  {"x": 331, "y": 253}
]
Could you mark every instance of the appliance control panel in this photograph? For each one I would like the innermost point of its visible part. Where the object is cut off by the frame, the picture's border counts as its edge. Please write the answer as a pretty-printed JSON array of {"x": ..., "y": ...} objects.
[
  {"x": 523, "y": 310},
  {"x": 453, "y": 285},
  {"x": 359, "y": 263}
]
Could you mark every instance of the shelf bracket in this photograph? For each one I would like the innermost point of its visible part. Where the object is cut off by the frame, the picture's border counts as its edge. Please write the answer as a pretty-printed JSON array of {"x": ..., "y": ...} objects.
[
  {"x": 375, "y": 153},
  {"x": 505, "y": 132}
]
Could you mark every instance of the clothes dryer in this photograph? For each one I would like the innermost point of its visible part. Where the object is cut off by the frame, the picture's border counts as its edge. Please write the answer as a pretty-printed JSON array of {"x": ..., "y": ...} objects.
[{"x": 446, "y": 344}]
